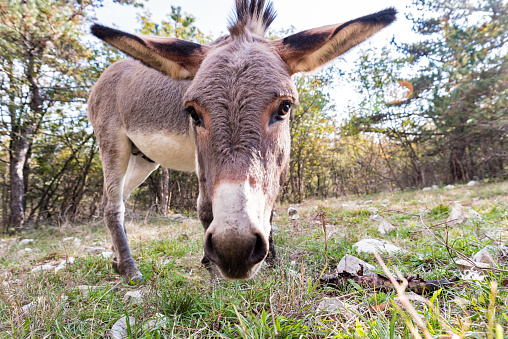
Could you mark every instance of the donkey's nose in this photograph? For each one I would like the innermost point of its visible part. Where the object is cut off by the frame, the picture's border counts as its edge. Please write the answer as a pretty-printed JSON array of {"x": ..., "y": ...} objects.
[{"x": 235, "y": 254}]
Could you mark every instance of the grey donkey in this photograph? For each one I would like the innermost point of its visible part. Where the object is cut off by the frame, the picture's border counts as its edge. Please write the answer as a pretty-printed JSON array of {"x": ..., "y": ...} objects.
[{"x": 221, "y": 110}]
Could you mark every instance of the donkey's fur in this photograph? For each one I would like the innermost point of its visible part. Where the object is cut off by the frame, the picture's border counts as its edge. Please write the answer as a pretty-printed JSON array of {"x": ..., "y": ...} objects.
[{"x": 219, "y": 109}]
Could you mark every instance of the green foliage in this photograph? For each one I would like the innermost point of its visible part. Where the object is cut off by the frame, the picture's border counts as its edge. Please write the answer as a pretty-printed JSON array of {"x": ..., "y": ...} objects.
[{"x": 454, "y": 101}]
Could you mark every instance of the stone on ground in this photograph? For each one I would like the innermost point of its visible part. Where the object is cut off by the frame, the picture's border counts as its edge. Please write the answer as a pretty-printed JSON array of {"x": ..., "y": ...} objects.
[
  {"x": 426, "y": 188},
  {"x": 25, "y": 241},
  {"x": 375, "y": 245},
  {"x": 435, "y": 187},
  {"x": 472, "y": 183},
  {"x": 384, "y": 226},
  {"x": 119, "y": 329},
  {"x": 467, "y": 265},
  {"x": 449, "y": 187},
  {"x": 107, "y": 254},
  {"x": 295, "y": 217},
  {"x": 135, "y": 296},
  {"x": 42, "y": 268},
  {"x": 68, "y": 239},
  {"x": 76, "y": 242},
  {"x": 178, "y": 217},
  {"x": 484, "y": 256},
  {"x": 292, "y": 211},
  {"x": 335, "y": 305},
  {"x": 352, "y": 265},
  {"x": 92, "y": 249},
  {"x": 457, "y": 215}
]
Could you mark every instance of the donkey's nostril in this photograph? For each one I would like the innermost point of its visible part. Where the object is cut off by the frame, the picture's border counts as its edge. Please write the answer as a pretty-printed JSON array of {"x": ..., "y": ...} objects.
[
  {"x": 209, "y": 250},
  {"x": 260, "y": 250}
]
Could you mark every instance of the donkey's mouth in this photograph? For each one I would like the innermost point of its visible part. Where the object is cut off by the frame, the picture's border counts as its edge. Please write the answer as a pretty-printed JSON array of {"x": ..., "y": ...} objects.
[{"x": 237, "y": 259}]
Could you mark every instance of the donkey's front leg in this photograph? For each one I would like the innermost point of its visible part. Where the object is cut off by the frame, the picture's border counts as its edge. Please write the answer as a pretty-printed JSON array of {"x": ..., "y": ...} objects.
[
  {"x": 123, "y": 262},
  {"x": 115, "y": 155}
]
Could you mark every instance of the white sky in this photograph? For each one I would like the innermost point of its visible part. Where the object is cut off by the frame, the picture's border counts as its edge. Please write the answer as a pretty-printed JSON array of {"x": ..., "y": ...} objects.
[{"x": 211, "y": 18}]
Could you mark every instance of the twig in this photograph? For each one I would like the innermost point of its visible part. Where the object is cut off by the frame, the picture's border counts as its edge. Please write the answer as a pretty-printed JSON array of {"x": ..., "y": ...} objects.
[
  {"x": 404, "y": 300},
  {"x": 459, "y": 253}
]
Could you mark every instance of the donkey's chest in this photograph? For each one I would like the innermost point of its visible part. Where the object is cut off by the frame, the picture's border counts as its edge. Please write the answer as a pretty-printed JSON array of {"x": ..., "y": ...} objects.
[{"x": 171, "y": 151}]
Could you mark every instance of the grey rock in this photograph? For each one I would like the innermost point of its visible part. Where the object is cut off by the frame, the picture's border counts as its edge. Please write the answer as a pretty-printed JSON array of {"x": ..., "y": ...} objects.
[
  {"x": 42, "y": 268},
  {"x": 384, "y": 226},
  {"x": 435, "y": 187},
  {"x": 471, "y": 213},
  {"x": 135, "y": 296},
  {"x": 375, "y": 245},
  {"x": 76, "y": 242},
  {"x": 466, "y": 265},
  {"x": 383, "y": 205},
  {"x": 368, "y": 202},
  {"x": 84, "y": 289},
  {"x": 25, "y": 241},
  {"x": 292, "y": 211},
  {"x": 335, "y": 305},
  {"x": 295, "y": 217},
  {"x": 386, "y": 201},
  {"x": 449, "y": 187},
  {"x": 92, "y": 249},
  {"x": 457, "y": 215},
  {"x": 28, "y": 249},
  {"x": 472, "y": 183},
  {"x": 107, "y": 254},
  {"x": 178, "y": 217},
  {"x": 426, "y": 188},
  {"x": 119, "y": 329},
  {"x": 484, "y": 256},
  {"x": 68, "y": 239},
  {"x": 352, "y": 265}
]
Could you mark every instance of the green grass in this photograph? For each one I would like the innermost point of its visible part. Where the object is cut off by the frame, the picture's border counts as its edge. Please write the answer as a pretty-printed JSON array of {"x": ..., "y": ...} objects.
[{"x": 181, "y": 301}]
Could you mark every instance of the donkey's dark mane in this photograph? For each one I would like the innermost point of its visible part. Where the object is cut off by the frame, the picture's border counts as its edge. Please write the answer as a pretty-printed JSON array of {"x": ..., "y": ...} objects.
[{"x": 251, "y": 15}]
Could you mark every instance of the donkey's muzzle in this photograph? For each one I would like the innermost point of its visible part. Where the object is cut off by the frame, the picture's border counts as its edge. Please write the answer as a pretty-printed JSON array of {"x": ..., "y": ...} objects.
[{"x": 238, "y": 256}]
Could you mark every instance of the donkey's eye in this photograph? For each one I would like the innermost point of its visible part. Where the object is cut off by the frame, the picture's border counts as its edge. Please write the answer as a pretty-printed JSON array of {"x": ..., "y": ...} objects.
[
  {"x": 194, "y": 115},
  {"x": 283, "y": 110}
]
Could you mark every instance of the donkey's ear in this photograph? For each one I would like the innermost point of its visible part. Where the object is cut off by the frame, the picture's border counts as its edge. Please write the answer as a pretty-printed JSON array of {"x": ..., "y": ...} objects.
[
  {"x": 310, "y": 49},
  {"x": 179, "y": 59}
]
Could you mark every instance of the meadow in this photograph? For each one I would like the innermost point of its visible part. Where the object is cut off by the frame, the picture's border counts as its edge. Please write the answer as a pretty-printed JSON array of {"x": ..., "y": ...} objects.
[{"x": 85, "y": 298}]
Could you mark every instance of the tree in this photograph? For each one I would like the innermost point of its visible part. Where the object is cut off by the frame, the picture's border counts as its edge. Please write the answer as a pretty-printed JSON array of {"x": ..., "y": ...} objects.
[
  {"x": 43, "y": 68},
  {"x": 451, "y": 117}
]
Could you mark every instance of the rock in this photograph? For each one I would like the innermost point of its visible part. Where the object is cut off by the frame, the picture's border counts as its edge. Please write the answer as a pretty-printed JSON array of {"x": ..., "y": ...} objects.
[
  {"x": 375, "y": 245},
  {"x": 367, "y": 202},
  {"x": 476, "y": 198},
  {"x": 68, "y": 239},
  {"x": 119, "y": 329},
  {"x": 471, "y": 213},
  {"x": 25, "y": 241},
  {"x": 178, "y": 217},
  {"x": 76, "y": 242},
  {"x": 466, "y": 265},
  {"x": 64, "y": 263},
  {"x": 472, "y": 183},
  {"x": 384, "y": 226},
  {"x": 107, "y": 254},
  {"x": 483, "y": 256},
  {"x": 457, "y": 215},
  {"x": 435, "y": 187},
  {"x": 42, "y": 268},
  {"x": 383, "y": 205},
  {"x": 335, "y": 305},
  {"x": 292, "y": 211},
  {"x": 134, "y": 296},
  {"x": 28, "y": 249},
  {"x": 386, "y": 201},
  {"x": 92, "y": 249},
  {"x": 157, "y": 319},
  {"x": 449, "y": 187},
  {"x": 426, "y": 188},
  {"x": 295, "y": 217},
  {"x": 373, "y": 209},
  {"x": 353, "y": 265},
  {"x": 345, "y": 205},
  {"x": 472, "y": 275},
  {"x": 32, "y": 305}
]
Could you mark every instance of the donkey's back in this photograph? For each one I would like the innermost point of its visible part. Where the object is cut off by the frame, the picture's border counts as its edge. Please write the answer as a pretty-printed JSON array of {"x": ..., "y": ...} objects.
[{"x": 132, "y": 105}]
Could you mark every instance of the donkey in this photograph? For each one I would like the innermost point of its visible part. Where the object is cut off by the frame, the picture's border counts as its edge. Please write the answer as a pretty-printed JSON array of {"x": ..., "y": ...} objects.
[{"x": 221, "y": 110}]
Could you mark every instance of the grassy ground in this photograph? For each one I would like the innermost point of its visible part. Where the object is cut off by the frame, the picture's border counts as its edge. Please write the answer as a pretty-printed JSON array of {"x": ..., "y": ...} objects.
[{"x": 180, "y": 300}]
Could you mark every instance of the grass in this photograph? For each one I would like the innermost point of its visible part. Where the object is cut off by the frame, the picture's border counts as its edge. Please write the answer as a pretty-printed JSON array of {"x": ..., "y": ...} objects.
[{"x": 180, "y": 301}]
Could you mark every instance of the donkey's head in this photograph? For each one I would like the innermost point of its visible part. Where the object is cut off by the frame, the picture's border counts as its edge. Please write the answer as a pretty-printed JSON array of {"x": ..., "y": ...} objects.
[{"x": 239, "y": 104}]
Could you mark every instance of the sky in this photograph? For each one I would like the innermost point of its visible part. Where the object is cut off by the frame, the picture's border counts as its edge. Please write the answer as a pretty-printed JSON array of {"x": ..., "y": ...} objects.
[{"x": 211, "y": 18}]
